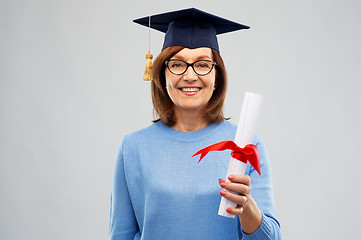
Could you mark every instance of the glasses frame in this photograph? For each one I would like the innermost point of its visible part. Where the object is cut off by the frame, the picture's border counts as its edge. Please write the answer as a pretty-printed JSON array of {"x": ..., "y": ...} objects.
[{"x": 189, "y": 65}]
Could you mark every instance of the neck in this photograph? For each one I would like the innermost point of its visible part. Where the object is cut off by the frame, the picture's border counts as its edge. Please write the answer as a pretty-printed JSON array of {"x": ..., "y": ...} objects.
[{"x": 189, "y": 121}]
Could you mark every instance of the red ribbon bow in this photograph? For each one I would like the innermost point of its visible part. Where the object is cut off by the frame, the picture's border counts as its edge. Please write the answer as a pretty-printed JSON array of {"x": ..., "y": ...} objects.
[{"x": 248, "y": 153}]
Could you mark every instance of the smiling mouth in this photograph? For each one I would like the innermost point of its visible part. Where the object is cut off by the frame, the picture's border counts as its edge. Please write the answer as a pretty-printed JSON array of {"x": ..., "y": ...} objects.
[{"x": 190, "y": 90}]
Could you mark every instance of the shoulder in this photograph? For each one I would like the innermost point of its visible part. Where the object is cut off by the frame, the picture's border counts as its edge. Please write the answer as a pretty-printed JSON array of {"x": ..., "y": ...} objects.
[
  {"x": 227, "y": 126},
  {"x": 257, "y": 140},
  {"x": 140, "y": 135}
]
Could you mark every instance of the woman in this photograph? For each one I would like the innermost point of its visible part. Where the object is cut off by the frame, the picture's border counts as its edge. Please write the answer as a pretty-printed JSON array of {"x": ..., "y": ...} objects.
[{"x": 159, "y": 190}]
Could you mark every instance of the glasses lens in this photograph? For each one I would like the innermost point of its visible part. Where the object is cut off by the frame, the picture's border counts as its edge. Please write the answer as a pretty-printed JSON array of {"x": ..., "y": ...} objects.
[
  {"x": 177, "y": 66},
  {"x": 203, "y": 67}
]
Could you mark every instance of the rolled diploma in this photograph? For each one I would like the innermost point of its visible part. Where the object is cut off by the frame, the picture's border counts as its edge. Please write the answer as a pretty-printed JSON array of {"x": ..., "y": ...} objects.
[{"x": 244, "y": 135}]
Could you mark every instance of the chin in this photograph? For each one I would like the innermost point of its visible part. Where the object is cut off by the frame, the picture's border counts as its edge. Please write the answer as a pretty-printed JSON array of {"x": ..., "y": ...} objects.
[{"x": 191, "y": 107}]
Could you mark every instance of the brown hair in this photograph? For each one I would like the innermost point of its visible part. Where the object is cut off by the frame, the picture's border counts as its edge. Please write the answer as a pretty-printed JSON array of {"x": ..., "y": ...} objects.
[{"x": 163, "y": 105}]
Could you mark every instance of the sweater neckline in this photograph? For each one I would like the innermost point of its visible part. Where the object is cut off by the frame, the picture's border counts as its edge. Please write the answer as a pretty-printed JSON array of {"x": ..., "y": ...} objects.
[{"x": 187, "y": 136}]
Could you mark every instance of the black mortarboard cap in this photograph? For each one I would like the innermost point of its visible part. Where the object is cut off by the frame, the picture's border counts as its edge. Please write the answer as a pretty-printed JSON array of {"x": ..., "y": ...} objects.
[{"x": 190, "y": 28}]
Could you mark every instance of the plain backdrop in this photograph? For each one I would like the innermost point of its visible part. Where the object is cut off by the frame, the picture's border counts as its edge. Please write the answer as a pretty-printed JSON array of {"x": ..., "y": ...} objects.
[{"x": 71, "y": 87}]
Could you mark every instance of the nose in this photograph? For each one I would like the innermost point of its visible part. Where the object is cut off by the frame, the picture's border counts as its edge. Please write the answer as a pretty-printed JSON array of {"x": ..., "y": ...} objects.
[{"x": 190, "y": 75}]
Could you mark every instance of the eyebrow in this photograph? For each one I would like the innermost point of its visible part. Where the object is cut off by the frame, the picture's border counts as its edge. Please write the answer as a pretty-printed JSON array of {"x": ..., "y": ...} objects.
[{"x": 201, "y": 57}]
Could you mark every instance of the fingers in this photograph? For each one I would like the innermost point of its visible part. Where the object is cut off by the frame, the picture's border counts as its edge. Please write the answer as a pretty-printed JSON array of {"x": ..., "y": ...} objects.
[
  {"x": 234, "y": 197},
  {"x": 235, "y": 211},
  {"x": 236, "y": 191},
  {"x": 244, "y": 179},
  {"x": 240, "y": 184}
]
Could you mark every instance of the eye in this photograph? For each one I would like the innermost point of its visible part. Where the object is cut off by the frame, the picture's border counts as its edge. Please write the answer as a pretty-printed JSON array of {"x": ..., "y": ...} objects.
[
  {"x": 176, "y": 64},
  {"x": 203, "y": 64}
]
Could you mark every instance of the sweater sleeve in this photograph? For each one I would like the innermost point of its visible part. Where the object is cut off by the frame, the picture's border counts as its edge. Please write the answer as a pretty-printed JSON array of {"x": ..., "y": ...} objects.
[
  {"x": 123, "y": 224},
  {"x": 262, "y": 192}
]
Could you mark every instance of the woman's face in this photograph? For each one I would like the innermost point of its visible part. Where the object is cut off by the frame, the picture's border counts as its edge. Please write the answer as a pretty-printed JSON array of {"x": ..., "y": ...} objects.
[{"x": 190, "y": 91}]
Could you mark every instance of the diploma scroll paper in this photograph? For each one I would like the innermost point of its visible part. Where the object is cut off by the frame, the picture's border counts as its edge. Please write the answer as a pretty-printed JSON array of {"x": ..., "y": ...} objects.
[{"x": 244, "y": 135}]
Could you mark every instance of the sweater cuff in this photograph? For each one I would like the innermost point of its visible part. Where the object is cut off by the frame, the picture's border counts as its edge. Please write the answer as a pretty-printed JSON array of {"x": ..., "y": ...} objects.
[{"x": 266, "y": 230}]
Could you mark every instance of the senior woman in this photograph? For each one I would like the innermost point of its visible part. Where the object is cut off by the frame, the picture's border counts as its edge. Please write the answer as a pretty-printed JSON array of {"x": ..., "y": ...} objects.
[{"x": 159, "y": 190}]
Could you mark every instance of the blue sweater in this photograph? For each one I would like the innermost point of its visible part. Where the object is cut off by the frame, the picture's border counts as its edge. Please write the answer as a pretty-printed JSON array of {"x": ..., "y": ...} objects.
[{"x": 160, "y": 192}]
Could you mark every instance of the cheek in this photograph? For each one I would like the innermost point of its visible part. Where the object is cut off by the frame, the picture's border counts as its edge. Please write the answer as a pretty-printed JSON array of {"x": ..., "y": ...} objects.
[
  {"x": 169, "y": 83},
  {"x": 212, "y": 77},
  {"x": 170, "y": 86},
  {"x": 211, "y": 81}
]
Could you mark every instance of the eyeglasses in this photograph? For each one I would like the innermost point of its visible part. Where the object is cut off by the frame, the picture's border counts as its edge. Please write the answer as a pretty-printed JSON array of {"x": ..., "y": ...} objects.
[{"x": 200, "y": 67}]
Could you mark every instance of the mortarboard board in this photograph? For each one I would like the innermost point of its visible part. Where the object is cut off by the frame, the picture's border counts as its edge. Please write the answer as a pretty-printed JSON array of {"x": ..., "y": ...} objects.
[{"x": 190, "y": 28}]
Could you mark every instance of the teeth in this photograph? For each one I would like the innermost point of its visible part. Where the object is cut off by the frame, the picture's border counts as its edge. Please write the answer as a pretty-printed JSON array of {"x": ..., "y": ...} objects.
[{"x": 190, "y": 89}]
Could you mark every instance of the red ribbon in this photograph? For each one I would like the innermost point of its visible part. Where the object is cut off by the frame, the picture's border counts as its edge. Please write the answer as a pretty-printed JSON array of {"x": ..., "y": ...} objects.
[{"x": 248, "y": 153}]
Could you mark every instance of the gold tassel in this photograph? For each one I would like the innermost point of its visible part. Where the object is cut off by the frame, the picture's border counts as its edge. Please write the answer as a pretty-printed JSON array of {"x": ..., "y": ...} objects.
[{"x": 148, "y": 74}]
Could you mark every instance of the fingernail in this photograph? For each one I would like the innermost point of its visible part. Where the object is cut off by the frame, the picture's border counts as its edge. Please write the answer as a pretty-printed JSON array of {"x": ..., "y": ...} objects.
[
  {"x": 229, "y": 210},
  {"x": 223, "y": 184},
  {"x": 230, "y": 177},
  {"x": 223, "y": 193}
]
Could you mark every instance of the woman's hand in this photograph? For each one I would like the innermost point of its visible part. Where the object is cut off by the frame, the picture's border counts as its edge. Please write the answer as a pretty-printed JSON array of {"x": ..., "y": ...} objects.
[{"x": 249, "y": 214}]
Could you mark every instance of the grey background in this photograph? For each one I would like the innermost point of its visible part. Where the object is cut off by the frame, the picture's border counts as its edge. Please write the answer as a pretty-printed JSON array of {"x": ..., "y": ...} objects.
[{"x": 71, "y": 87}]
